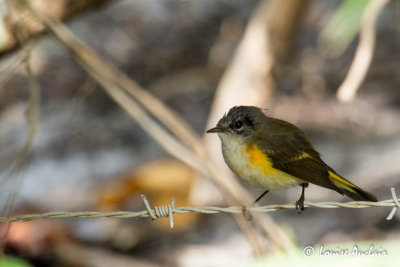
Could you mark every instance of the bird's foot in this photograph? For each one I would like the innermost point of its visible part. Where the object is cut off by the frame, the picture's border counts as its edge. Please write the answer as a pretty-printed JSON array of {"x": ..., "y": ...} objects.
[{"x": 300, "y": 205}]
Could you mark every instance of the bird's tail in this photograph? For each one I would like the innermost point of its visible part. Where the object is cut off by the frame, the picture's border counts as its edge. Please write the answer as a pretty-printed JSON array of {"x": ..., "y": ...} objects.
[{"x": 350, "y": 189}]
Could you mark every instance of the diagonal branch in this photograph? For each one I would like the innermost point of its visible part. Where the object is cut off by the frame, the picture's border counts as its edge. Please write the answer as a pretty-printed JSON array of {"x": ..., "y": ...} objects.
[{"x": 365, "y": 49}]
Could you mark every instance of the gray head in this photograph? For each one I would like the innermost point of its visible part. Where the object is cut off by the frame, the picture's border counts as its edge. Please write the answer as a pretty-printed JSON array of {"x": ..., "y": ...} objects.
[{"x": 240, "y": 120}]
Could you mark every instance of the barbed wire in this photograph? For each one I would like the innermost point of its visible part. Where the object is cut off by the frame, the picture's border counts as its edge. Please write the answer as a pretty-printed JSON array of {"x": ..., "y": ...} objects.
[{"x": 168, "y": 211}]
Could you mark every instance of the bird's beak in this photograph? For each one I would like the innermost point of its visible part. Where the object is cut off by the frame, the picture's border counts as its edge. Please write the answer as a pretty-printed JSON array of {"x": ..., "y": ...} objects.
[{"x": 216, "y": 129}]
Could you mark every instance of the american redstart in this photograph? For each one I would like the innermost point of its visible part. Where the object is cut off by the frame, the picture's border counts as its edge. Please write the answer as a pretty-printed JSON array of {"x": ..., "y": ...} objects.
[{"x": 269, "y": 153}]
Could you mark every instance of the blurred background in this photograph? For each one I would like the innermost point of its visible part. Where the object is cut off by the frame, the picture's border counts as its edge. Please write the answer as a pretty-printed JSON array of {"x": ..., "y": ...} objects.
[{"x": 66, "y": 145}]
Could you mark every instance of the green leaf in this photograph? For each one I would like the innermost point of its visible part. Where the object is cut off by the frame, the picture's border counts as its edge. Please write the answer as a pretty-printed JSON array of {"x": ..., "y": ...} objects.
[
  {"x": 342, "y": 28},
  {"x": 10, "y": 261}
]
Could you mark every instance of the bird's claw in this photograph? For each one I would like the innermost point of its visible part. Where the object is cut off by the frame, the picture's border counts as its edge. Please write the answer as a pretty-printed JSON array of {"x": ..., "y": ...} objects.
[
  {"x": 246, "y": 213},
  {"x": 300, "y": 205}
]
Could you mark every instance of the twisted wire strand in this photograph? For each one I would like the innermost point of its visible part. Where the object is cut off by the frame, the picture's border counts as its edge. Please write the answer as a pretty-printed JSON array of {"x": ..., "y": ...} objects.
[{"x": 169, "y": 210}]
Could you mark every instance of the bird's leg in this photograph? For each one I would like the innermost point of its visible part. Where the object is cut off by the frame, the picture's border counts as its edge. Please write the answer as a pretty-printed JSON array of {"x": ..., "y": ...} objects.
[
  {"x": 245, "y": 210},
  {"x": 300, "y": 202}
]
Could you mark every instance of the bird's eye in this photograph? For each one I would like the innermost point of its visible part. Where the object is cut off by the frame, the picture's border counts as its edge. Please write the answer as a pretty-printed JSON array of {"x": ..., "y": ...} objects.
[{"x": 238, "y": 125}]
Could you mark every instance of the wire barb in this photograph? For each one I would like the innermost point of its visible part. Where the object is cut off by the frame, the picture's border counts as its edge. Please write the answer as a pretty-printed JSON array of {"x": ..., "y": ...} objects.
[
  {"x": 396, "y": 201},
  {"x": 160, "y": 211}
]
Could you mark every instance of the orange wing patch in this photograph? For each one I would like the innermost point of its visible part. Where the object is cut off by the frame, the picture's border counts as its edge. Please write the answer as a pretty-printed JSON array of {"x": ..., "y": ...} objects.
[
  {"x": 261, "y": 173},
  {"x": 257, "y": 158}
]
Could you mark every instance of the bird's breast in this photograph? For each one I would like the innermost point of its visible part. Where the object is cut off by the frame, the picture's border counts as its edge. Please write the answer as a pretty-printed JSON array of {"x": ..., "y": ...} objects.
[{"x": 254, "y": 166}]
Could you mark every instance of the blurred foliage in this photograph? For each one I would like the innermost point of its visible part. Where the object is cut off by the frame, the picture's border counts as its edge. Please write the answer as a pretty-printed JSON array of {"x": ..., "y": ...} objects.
[
  {"x": 10, "y": 261},
  {"x": 342, "y": 28}
]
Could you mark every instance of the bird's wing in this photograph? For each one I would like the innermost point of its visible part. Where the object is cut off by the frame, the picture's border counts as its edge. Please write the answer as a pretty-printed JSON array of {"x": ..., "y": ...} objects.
[{"x": 293, "y": 153}]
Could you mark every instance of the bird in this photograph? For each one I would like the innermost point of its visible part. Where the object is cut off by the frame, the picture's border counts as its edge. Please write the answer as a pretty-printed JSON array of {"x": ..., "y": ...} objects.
[{"x": 270, "y": 154}]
